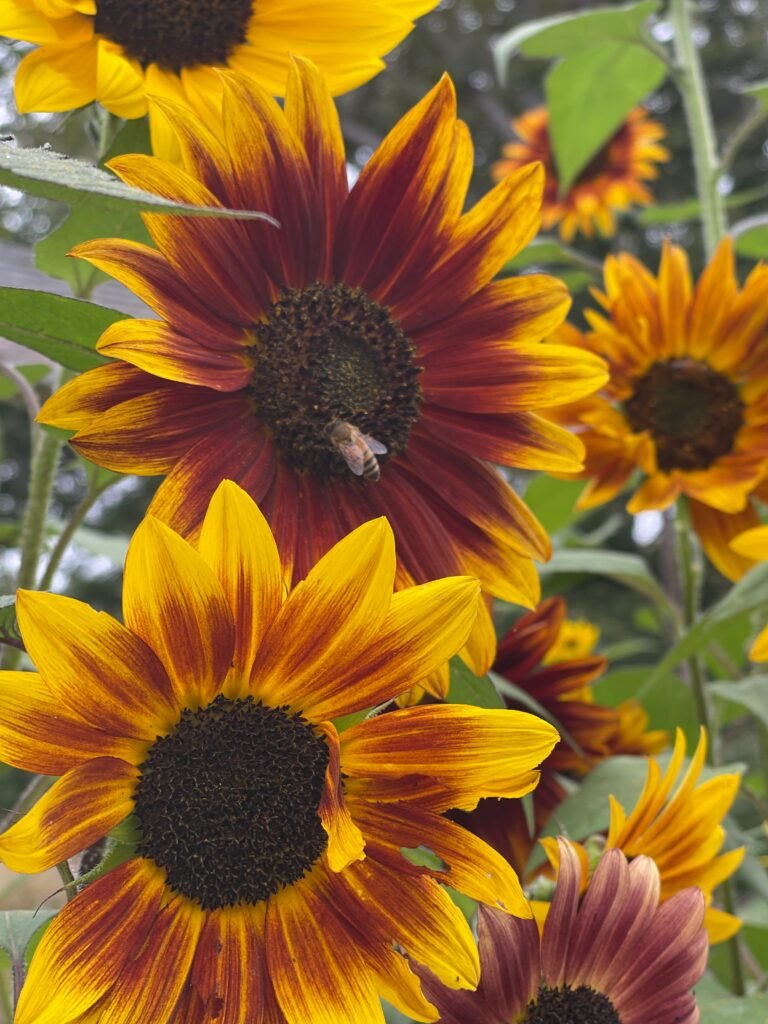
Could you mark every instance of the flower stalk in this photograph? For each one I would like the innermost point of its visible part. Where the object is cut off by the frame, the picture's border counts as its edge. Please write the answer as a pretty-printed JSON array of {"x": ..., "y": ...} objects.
[{"x": 690, "y": 82}]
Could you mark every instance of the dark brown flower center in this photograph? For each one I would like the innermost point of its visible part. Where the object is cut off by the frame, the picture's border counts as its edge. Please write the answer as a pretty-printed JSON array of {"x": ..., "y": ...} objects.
[
  {"x": 692, "y": 413},
  {"x": 227, "y": 803},
  {"x": 566, "y": 1005},
  {"x": 329, "y": 354},
  {"x": 175, "y": 34}
]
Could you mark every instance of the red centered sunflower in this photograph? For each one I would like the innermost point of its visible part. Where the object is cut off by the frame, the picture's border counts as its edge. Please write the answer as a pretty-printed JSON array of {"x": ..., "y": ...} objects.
[
  {"x": 535, "y": 655},
  {"x": 687, "y": 401},
  {"x": 268, "y": 881},
  {"x": 358, "y": 362},
  {"x": 613, "y": 957},
  {"x": 611, "y": 182}
]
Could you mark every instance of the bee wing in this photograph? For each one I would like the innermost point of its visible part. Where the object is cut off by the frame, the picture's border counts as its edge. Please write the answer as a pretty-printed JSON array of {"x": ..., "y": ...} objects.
[
  {"x": 376, "y": 446},
  {"x": 354, "y": 457}
]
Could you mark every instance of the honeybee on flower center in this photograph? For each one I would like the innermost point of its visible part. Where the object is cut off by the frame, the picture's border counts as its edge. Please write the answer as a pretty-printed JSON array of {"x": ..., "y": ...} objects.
[{"x": 358, "y": 450}]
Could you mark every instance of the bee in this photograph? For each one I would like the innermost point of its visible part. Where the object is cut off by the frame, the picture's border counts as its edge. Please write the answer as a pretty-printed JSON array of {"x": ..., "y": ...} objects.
[{"x": 358, "y": 450}]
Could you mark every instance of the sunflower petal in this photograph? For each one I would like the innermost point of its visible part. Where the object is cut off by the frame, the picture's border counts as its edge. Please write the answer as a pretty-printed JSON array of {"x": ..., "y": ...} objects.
[
  {"x": 78, "y": 809},
  {"x": 334, "y": 985},
  {"x": 345, "y": 841},
  {"x": 117, "y": 912},
  {"x": 328, "y": 620},
  {"x": 54, "y": 78},
  {"x": 237, "y": 543},
  {"x": 173, "y": 601},
  {"x": 96, "y": 667}
]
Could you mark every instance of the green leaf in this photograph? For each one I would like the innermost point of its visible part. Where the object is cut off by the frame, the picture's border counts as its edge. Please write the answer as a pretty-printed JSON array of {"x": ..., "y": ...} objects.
[
  {"x": 752, "y": 242},
  {"x": 736, "y": 1010},
  {"x": 587, "y": 810},
  {"x": 467, "y": 688},
  {"x": 85, "y": 223},
  {"x": 41, "y": 172},
  {"x": 553, "y": 502},
  {"x": 690, "y": 209},
  {"x": 750, "y": 593},
  {"x": 65, "y": 330},
  {"x": 630, "y": 570},
  {"x": 758, "y": 91},
  {"x": 751, "y": 694},
  {"x": 590, "y": 94},
  {"x": 562, "y": 34},
  {"x": 17, "y": 927},
  {"x": 33, "y": 374}
]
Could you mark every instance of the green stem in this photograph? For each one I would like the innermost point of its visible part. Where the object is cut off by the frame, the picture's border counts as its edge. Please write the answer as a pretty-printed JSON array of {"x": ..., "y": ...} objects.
[
  {"x": 738, "y": 986},
  {"x": 749, "y": 125},
  {"x": 66, "y": 535},
  {"x": 690, "y": 82},
  {"x": 70, "y": 889},
  {"x": 689, "y": 580}
]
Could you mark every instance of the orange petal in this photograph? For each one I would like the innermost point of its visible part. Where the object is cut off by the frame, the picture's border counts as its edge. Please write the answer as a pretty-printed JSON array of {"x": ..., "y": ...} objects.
[
  {"x": 173, "y": 600},
  {"x": 237, "y": 543},
  {"x": 96, "y": 667},
  {"x": 78, "y": 809},
  {"x": 85, "y": 949},
  {"x": 719, "y": 534},
  {"x": 345, "y": 841}
]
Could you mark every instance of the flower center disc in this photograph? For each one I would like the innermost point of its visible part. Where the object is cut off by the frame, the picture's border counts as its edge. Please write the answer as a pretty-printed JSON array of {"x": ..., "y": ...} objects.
[
  {"x": 566, "y": 1005},
  {"x": 692, "y": 413},
  {"x": 328, "y": 353},
  {"x": 175, "y": 34},
  {"x": 227, "y": 803}
]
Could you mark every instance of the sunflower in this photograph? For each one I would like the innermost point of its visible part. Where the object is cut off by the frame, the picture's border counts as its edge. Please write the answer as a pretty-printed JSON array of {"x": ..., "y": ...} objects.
[
  {"x": 611, "y": 182},
  {"x": 550, "y": 659},
  {"x": 680, "y": 831},
  {"x": 615, "y": 956},
  {"x": 118, "y": 52},
  {"x": 267, "y": 881},
  {"x": 289, "y": 360},
  {"x": 687, "y": 402},
  {"x": 753, "y": 544}
]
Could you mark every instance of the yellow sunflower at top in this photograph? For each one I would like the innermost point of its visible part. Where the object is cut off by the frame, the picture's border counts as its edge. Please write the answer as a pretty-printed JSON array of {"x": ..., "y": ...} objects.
[{"x": 118, "y": 52}]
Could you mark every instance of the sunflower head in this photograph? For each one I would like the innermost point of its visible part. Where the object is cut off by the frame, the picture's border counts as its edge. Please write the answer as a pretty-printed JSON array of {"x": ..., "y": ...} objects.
[
  {"x": 119, "y": 52},
  {"x": 263, "y": 835},
  {"x": 686, "y": 401},
  {"x": 357, "y": 362},
  {"x": 612, "y": 181},
  {"x": 611, "y": 956}
]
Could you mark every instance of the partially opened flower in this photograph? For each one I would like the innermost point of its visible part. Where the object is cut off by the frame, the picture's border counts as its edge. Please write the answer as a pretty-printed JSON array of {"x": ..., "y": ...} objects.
[
  {"x": 121, "y": 51},
  {"x": 687, "y": 400},
  {"x": 269, "y": 881},
  {"x": 753, "y": 544},
  {"x": 550, "y": 659},
  {"x": 357, "y": 362},
  {"x": 681, "y": 831},
  {"x": 612, "y": 957},
  {"x": 612, "y": 182}
]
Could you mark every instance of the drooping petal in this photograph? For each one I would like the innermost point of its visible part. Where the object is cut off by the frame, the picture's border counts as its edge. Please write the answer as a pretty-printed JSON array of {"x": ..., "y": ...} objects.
[
  {"x": 96, "y": 667},
  {"x": 345, "y": 841},
  {"x": 237, "y": 543},
  {"x": 78, "y": 402},
  {"x": 78, "y": 809},
  {"x": 470, "y": 865},
  {"x": 119, "y": 81},
  {"x": 414, "y": 912},
  {"x": 173, "y": 601},
  {"x": 328, "y": 620}
]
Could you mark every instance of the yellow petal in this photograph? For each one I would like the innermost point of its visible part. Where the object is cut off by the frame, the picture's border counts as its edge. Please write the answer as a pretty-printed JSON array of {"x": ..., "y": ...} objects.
[{"x": 55, "y": 79}]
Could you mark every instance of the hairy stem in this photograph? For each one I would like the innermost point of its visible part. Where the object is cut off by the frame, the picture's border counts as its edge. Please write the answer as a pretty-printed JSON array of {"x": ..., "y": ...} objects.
[{"x": 690, "y": 82}]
